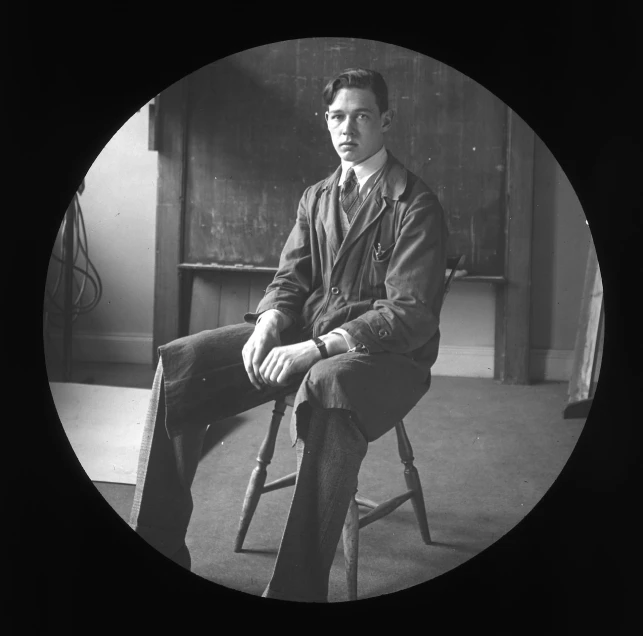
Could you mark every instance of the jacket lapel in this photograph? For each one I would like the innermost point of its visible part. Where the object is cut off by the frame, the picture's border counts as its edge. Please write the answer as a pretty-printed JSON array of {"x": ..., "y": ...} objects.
[
  {"x": 329, "y": 214},
  {"x": 390, "y": 187},
  {"x": 371, "y": 210}
]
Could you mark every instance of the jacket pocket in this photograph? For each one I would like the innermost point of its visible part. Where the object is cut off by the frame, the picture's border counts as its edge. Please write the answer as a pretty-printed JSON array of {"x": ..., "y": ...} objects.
[{"x": 380, "y": 258}]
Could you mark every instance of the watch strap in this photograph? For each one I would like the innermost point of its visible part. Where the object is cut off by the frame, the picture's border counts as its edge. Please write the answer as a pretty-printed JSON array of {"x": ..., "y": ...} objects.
[{"x": 321, "y": 346}]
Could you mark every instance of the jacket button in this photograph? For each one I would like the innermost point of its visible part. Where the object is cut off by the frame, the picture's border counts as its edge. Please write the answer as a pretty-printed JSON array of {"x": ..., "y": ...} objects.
[
  {"x": 383, "y": 333},
  {"x": 335, "y": 290}
]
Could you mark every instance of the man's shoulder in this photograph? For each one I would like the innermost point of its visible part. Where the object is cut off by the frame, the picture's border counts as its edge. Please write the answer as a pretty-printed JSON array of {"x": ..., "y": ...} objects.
[
  {"x": 403, "y": 184},
  {"x": 316, "y": 189},
  {"x": 417, "y": 185}
]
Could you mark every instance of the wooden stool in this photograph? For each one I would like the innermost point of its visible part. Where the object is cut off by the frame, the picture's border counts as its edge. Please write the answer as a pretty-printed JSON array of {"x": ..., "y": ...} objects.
[{"x": 354, "y": 522}]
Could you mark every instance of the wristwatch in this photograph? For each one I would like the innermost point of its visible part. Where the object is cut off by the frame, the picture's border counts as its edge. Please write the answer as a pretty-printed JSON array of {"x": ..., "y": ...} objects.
[{"x": 321, "y": 346}]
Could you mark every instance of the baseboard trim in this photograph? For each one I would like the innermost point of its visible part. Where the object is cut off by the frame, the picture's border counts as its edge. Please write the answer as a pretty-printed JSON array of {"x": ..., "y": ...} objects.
[
  {"x": 133, "y": 348},
  {"x": 478, "y": 362},
  {"x": 551, "y": 364}
]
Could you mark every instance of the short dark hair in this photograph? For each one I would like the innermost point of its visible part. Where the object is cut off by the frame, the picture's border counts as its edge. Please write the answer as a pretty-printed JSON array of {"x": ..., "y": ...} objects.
[{"x": 357, "y": 78}]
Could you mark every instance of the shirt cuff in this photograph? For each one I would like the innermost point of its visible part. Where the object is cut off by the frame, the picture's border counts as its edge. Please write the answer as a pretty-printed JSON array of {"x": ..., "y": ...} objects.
[{"x": 350, "y": 341}]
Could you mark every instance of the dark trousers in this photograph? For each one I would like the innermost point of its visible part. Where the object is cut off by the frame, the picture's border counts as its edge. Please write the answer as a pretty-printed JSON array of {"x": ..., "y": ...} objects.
[{"x": 331, "y": 444}]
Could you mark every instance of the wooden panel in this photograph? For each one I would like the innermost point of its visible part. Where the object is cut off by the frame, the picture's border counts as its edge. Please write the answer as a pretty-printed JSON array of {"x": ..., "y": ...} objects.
[
  {"x": 235, "y": 292},
  {"x": 206, "y": 302},
  {"x": 222, "y": 298},
  {"x": 513, "y": 300},
  {"x": 170, "y": 140},
  {"x": 258, "y": 139},
  {"x": 258, "y": 284}
]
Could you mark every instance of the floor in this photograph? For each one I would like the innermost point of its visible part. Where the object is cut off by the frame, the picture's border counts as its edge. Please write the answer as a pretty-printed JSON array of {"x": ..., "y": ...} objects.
[
  {"x": 486, "y": 454},
  {"x": 104, "y": 425}
]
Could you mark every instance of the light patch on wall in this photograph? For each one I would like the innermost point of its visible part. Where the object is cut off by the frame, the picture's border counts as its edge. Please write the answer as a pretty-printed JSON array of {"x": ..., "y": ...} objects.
[{"x": 119, "y": 207}]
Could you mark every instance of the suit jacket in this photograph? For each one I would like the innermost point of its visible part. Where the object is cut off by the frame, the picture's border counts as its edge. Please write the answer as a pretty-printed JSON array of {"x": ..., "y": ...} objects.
[{"x": 383, "y": 283}]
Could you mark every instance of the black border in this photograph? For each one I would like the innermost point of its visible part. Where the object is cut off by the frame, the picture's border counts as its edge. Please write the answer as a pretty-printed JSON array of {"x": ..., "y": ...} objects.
[{"x": 571, "y": 74}]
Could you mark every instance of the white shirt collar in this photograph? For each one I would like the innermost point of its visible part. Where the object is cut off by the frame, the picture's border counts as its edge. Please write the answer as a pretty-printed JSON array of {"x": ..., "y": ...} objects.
[{"x": 365, "y": 169}]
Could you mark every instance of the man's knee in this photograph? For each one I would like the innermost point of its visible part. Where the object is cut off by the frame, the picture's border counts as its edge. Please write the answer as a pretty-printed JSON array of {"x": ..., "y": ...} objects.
[
  {"x": 205, "y": 353},
  {"x": 226, "y": 336},
  {"x": 334, "y": 368},
  {"x": 315, "y": 423}
]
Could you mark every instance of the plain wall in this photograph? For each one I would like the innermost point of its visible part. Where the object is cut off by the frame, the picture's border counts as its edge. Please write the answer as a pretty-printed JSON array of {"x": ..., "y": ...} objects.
[
  {"x": 119, "y": 209},
  {"x": 119, "y": 205}
]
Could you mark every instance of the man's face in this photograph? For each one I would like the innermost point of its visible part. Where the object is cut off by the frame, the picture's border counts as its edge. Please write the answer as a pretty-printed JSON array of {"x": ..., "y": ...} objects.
[{"x": 356, "y": 125}]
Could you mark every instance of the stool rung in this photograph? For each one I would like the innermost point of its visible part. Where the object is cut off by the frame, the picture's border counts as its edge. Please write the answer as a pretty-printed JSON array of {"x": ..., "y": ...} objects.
[
  {"x": 362, "y": 501},
  {"x": 385, "y": 508},
  {"x": 282, "y": 482}
]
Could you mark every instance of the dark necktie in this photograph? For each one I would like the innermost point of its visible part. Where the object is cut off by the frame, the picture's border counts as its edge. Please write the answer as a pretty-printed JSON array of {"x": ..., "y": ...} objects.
[{"x": 350, "y": 194}]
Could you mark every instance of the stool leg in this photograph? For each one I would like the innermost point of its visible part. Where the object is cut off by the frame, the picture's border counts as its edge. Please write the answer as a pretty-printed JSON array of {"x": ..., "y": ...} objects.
[
  {"x": 412, "y": 480},
  {"x": 258, "y": 477},
  {"x": 351, "y": 547}
]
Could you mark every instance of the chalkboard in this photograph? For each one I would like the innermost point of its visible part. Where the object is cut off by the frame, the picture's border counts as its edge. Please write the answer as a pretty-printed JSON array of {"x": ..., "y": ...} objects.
[{"x": 256, "y": 138}]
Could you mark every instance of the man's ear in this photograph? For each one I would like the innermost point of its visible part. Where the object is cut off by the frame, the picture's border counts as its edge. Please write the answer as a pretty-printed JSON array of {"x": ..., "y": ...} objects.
[
  {"x": 326, "y": 116},
  {"x": 387, "y": 118}
]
